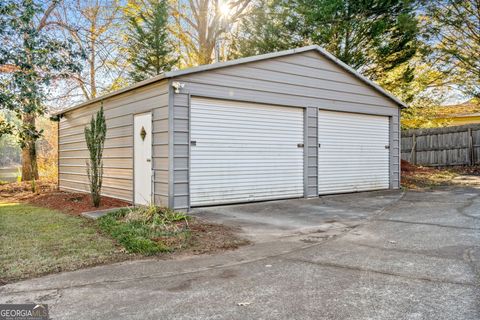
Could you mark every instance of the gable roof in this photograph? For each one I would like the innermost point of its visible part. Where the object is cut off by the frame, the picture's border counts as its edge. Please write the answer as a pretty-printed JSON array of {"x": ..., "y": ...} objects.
[{"x": 218, "y": 65}]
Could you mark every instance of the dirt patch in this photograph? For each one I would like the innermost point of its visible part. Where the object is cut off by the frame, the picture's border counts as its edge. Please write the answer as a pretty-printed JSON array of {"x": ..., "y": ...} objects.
[
  {"x": 205, "y": 238},
  {"x": 418, "y": 177},
  {"x": 211, "y": 237},
  {"x": 48, "y": 196},
  {"x": 471, "y": 171}
]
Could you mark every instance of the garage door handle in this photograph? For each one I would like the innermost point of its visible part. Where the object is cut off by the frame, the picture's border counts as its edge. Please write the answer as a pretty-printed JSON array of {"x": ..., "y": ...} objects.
[
  {"x": 193, "y": 143},
  {"x": 387, "y": 147},
  {"x": 300, "y": 145}
]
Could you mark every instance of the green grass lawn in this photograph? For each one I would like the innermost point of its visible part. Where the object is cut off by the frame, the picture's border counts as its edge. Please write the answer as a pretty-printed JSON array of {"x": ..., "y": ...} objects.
[{"x": 36, "y": 241}]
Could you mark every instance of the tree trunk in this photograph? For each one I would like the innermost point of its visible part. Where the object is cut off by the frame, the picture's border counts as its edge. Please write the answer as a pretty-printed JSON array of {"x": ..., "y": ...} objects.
[{"x": 29, "y": 153}]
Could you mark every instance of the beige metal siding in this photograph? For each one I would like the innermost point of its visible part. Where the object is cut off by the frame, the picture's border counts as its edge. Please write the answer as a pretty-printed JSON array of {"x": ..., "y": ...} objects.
[
  {"x": 311, "y": 152},
  {"x": 118, "y": 153},
  {"x": 179, "y": 138},
  {"x": 307, "y": 78}
]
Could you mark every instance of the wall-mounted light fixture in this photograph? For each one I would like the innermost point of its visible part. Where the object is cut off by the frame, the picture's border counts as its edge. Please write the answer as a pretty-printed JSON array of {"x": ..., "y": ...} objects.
[{"x": 177, "y": 86}]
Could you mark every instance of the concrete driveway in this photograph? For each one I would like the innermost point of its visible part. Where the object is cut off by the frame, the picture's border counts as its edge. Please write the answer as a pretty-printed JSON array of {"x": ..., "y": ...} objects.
[
  {"x": 411, "y": 256},
  {"x": 300, "y": 218}
]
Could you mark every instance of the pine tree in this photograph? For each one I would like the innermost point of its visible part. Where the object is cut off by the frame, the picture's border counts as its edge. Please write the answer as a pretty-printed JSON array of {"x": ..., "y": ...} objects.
[
  {"x": 454, "y": 30},
  {"x": 269, "y": 27},
  {"x": 95, "y": 135},
  {"x": 374, "y": 36},
  {"x": 150, "y": 50}
]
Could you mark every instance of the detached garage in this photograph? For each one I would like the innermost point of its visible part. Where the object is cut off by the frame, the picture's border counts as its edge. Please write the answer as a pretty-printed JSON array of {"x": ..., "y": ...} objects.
[{"x": 296, "y": 123}]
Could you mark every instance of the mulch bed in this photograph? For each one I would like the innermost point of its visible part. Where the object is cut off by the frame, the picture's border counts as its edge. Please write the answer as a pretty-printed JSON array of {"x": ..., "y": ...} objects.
[{"x": 49, "y": 197}]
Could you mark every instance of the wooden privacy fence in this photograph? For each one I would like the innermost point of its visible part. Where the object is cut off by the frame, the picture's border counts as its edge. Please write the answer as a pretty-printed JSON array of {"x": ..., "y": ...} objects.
[{"x": 450, "y": 146}]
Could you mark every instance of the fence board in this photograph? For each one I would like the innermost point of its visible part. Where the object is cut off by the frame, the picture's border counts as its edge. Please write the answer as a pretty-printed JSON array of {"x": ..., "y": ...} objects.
[{"x": 449, "y": 146}]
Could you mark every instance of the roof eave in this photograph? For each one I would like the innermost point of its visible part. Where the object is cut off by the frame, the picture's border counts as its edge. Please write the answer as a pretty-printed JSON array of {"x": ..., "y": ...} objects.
[
  {"x": 112, "y": 94},
  {"x": 178, "y": 73},
  {"x": 361, "y": 77}
]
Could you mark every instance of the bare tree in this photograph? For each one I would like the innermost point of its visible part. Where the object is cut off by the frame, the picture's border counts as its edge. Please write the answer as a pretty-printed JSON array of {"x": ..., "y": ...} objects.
[
  {"x": 200, "y": 25},
  {"x": 95, "y": 27}
]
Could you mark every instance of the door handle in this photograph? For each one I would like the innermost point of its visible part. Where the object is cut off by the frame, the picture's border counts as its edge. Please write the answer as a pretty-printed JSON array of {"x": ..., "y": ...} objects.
[
  {"x": 149, "y": 160},
  {"x": 300, "y": 145}
]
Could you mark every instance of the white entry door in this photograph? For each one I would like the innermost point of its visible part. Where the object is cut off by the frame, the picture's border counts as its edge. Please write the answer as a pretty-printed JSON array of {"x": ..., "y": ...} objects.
[
  {"x": 244, "y": 152},
  {"x": 142, "y": 140},
  {"x": 353, "y": 152}
]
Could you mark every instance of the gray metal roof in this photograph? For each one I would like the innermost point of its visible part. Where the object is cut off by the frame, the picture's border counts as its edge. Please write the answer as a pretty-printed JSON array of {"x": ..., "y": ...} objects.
[{"x": 177, "y": 73}]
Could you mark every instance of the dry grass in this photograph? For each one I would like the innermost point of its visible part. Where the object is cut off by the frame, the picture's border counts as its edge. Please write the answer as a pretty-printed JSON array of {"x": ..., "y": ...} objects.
[{"x": 418, "y": 177}]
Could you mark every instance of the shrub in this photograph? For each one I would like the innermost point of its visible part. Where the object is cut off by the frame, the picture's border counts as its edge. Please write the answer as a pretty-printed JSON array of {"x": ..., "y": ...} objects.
[
  {"x": 95, "y": 135},
  {"x": 147, "y": 230}
]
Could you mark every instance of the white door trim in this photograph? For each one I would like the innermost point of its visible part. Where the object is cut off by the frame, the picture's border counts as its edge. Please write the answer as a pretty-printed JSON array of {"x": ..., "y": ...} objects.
[{"x": 142, "y": 159}]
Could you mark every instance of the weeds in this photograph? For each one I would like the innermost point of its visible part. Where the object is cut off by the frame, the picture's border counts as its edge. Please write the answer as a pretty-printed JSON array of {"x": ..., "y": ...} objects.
[{"x": 147, "y": 230}]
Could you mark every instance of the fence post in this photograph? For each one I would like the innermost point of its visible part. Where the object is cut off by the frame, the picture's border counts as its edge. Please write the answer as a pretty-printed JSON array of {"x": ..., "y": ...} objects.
[
  {"x": 471, "y": 158},
  {"x": 413, "y": 154}
]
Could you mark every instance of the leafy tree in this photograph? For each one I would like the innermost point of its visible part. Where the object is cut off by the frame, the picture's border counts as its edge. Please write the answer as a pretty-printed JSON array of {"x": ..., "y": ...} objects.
[
  {"x": 149, "y": 44},
  {"x": 373, "y": 36},
  {"x": 454, "y": 30},
  {"x": 370, "y": 34},
  {"x": 95, "y": 135},
  {"x": 31, "y": 60}
]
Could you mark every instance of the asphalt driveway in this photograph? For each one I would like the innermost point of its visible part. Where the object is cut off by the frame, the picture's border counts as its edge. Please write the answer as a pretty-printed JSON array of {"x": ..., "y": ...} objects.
[{"x": 404, "y": 256}]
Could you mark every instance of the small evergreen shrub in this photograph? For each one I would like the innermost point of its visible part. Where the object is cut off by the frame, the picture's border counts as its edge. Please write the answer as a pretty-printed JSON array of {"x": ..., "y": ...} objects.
[{"x": 95, "y": 135}]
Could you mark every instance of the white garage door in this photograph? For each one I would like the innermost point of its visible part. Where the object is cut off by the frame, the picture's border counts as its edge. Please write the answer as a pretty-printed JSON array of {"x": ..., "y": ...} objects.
[
  {"x": 244, "y": 152},
  {"x": 353, "y": 153}
]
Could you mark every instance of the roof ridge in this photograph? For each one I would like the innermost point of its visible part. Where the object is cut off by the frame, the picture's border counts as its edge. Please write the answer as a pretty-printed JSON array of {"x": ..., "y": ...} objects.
[{"x": 218, "y": 65}]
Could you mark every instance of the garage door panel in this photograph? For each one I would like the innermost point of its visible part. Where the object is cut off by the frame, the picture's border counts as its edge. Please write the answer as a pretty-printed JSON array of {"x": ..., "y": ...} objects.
[
  {"x": 244, "y": 152},
  {"x": 352, "y": 153},
  {"x": 224, "y": 111},
  {"x": 237, "y": 197}
]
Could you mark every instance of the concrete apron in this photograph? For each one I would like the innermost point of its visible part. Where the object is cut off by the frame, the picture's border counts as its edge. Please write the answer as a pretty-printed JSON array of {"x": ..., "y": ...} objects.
[{"x": 307, "y": 220}]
